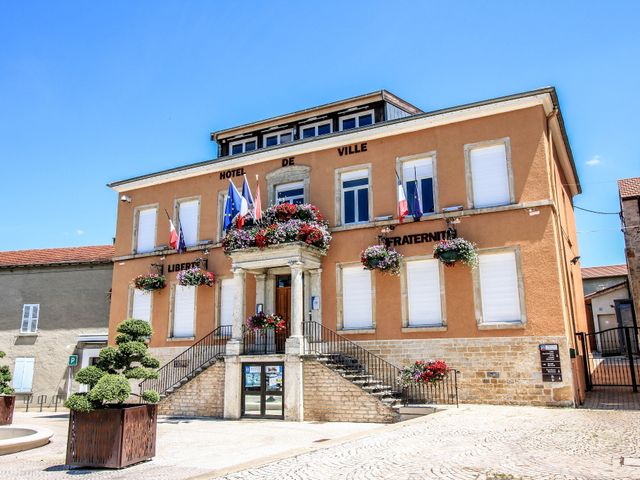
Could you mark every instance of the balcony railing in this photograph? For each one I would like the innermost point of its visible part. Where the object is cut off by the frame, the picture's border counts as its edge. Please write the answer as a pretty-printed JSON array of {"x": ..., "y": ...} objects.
[{"x": 263, "y": 342}]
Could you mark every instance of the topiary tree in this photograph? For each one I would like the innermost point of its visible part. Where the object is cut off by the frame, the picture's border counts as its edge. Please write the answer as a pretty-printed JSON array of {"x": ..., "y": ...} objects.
[
  {"x": 108, "y": 380},
  {"x": 5, "y": 378}
]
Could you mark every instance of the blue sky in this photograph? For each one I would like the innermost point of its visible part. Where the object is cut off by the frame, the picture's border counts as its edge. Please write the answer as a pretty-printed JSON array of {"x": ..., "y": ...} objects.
[{"x": 92, "y": 92}]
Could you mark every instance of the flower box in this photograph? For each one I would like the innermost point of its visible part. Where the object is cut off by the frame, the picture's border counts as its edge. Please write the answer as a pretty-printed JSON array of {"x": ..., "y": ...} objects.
[
  {"x": 422, "y": 372},
  {"x": 262, "y": 321},
  {"x": 7, "y": 404},
  {"x": 112, "y": 437}
]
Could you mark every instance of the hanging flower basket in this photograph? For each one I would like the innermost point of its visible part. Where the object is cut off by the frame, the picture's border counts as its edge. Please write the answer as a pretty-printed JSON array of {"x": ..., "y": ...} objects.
[
  {"x": 150, "y": 282},
  {"x": 456, "y": 250},
  {"x": 380, "y": 257},
  {"x": 262, "y": 321},
  {"x": 194, "y": 277},
  {"x": 422, "y": 372},
  {"x": 285, "y": 223}
]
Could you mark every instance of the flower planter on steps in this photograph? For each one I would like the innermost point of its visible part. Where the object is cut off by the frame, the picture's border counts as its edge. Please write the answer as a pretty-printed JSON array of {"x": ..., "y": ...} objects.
[
  {"x": 112, "y": 437},
  {"x": 7, "y": 403}
]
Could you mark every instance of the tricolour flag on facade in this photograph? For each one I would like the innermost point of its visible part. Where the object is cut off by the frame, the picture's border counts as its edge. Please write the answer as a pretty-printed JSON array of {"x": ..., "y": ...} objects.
[
  {"x": 182, "y": 246},
  {"x": 239, "y": 203},
  {"x": 173, "y": 235},
  {"x": 257, "y": 207},
  {"x": 415, "y": 205},
  {"x": 230, "y": 209},
  {"x": 403, "y": 209},
  {"x": 246, "y": 194}
]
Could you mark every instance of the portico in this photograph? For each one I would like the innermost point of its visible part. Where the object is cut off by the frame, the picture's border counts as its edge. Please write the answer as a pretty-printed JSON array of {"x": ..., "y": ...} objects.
[{"x": 301, "y": 262}]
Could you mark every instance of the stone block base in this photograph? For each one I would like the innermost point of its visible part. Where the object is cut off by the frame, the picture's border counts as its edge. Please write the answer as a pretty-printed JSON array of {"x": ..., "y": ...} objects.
[
  {"x": 495, "y": 370},
  {"x": 203, "y": 396}
]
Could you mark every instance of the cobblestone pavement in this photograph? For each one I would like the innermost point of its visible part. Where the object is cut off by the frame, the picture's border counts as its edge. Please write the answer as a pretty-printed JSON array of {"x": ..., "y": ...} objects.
[
  {"x": 479, "y": 443},
  {"x": 612, "y": 398}
]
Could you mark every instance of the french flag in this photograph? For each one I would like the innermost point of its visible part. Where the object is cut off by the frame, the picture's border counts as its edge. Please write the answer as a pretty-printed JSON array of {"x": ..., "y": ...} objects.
[
  {"x": 403, "y": 208},
  {"x": 173, "y": 235}
]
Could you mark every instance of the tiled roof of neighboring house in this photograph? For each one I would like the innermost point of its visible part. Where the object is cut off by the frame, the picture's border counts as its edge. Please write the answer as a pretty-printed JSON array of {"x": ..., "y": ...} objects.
[
  {"x": 629, "y": 187},
  {"x": 604, "y": 271},
  {"x": 56, "y": 256},
  {"x": 606, "y": 290}
]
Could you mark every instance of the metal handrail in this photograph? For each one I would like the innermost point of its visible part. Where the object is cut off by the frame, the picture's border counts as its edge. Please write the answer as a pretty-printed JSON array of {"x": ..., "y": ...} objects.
[{"x": 181, "y": 367}]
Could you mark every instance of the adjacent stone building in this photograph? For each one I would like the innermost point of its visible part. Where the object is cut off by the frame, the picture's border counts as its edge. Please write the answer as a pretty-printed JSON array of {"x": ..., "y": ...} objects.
[
  {"x": 629, "y": 189},
  {"x": 53, "y": 303}
]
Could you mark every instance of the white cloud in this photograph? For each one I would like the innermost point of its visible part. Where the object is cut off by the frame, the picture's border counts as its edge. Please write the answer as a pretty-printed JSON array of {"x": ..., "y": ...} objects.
[
  {"x": 79, "y": 232},
  {"x": 595, "y": 160}
]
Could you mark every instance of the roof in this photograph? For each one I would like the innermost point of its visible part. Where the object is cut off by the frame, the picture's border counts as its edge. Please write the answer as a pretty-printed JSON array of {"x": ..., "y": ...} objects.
[
  {"x": 56, "y": 256},
  {"x": 333, "y": 106},
  {"x": 629, "y": 187},
  {"x": 199, "y": 168},
  {"x": 604, "y": 271},
  {"x": 610, "y": 289}
]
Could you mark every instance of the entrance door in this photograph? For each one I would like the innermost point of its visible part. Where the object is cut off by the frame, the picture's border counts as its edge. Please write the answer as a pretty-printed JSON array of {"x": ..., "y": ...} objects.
[
  {"x": 263, "y": 390},
  {"x": 283, "y": 297}
]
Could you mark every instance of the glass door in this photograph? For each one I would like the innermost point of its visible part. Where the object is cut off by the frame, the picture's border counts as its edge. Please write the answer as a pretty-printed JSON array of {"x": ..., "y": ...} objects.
[{"x": 263, "y": 390}]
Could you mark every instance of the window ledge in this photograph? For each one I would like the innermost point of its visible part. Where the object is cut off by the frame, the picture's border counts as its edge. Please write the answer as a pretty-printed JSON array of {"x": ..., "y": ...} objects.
[
  {"x": 28, "y": 334},
  {"x": 180, "y": 339},
  {"x": 501, "y": 326},
  {"x": 356, "y": 331},
  {"x": 424, "y": 328}
]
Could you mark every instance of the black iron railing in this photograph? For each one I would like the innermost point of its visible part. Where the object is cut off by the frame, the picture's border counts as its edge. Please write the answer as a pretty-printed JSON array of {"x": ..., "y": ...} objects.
[
  {"x": 184, "y": 366},
  {"x": 323, "y": 341},
  {"x": 263, "y": 342}
]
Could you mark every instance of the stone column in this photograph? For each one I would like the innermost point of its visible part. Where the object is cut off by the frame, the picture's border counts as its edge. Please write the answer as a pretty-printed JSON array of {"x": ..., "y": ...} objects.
[
  {"x": 316, "y": 291},
  {"x": 261, "y": 283},
  {"x": 232, "y": 387},
  {"x": 270, "y": 294},
  {"x": 297, "y": 300},
  {"x": 234, "y": 344}
]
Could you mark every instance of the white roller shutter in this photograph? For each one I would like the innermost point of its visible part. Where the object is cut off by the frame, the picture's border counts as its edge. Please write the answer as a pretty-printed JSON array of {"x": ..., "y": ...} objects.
[
  {"x": 422, "y": 168},
  {"x": 499, "y": 288},
  {"x": 356, "y": 298},
  {"x": 423, "y": 292},
  {"x": 184, "y": 302},
  {"x": 146, "y": 230},
  {"x": 23, "y": 374},
  {"x": 226, "y": 301},
  {"x": 489, "y": 176},
  {"x": 141, "y": 307},
  {"x": 188, "y": 215}
]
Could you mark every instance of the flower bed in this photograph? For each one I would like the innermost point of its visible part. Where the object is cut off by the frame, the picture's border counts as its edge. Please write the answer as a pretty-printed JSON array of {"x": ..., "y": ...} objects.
[
  {"x": 422, "y": 372},
  {"x": 194, "y": 277},
  {"x": 262, "y": 321},
  {"x": 456, "y": 250},
  {"x": 283, "y": 223},
  {"x": 150, "y": 282},
  {"x": 380, "y": 257}
]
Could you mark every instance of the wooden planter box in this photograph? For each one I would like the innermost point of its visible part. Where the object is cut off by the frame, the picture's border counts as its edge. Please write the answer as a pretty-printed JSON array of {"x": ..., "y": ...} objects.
[
  {"x": 7, "y": 402},
  {"x": 113, "y": 437}
]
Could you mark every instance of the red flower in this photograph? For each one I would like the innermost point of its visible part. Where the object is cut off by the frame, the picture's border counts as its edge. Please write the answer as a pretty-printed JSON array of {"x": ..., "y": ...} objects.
[{"x": 261, "y": 238}]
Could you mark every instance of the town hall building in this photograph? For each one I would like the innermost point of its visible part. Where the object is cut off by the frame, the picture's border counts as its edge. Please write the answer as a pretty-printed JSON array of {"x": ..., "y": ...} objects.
[{"x": 498, "y": 173}]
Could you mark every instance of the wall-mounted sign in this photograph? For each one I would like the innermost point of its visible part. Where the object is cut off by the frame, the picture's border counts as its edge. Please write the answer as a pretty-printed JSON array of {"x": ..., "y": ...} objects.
[
  {"x": 352, "y": 149},
  {"x": 176, "y": 267},
  {"x": 73, "y": 360},
  {"x": 426, "y": 237},
  {"x": 550, "y": 362},
  {"x": 234, "y": 172},
  {"x": 288, "y": 161},
  {"x": 315, "y": 303}
]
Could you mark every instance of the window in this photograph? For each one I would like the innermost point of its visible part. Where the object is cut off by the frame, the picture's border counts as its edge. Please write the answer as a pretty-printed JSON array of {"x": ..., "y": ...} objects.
[
  {"x": 184, "y": 312},
  {"x": 419, "y": 174},
  {"x": 227, "y": 292},
  {"x": 355, "y": 196},
  {"x": 188, "y": 216},
  {"x": 315, "y": 129},
  {"x": 357, "y": 298},
  {"x": 290, "y": 193},
  {"x": 424, "y": 304},
  {"x": 30, "y": 315},
  {"x": 146, "y": 230},
  {"x": 23, "y": 374},
  {"x": 356, "y": 120},
  {"x": 499, "y": 288},
  {"x": 276, "y": 138},
  {"x": 242, "y": 146},
  {"x": 141, "y": 305},
  {"x": 490, "y": 183}
]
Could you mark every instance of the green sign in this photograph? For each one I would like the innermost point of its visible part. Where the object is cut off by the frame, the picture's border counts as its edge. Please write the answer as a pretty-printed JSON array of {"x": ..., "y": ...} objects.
[{"x": 73, "y": 361}]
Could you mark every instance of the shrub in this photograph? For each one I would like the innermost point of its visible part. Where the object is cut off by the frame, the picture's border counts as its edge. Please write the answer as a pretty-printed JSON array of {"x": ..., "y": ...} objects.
[
  {"x": 5, "y": 378},
  {"x": 108, "y": 380}
]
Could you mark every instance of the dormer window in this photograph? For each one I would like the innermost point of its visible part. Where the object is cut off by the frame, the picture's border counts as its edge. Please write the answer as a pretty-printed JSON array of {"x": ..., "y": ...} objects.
[
  {"x": 242, "y": 146},
  {"x": 315, "y": 129},
  {"x": 277, "y": 138},
  {"x": 356, "y": 120}
]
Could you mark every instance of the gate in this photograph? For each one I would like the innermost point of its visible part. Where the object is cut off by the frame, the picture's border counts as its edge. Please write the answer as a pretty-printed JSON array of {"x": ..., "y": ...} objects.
[{"x": 611, "y": 358}]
